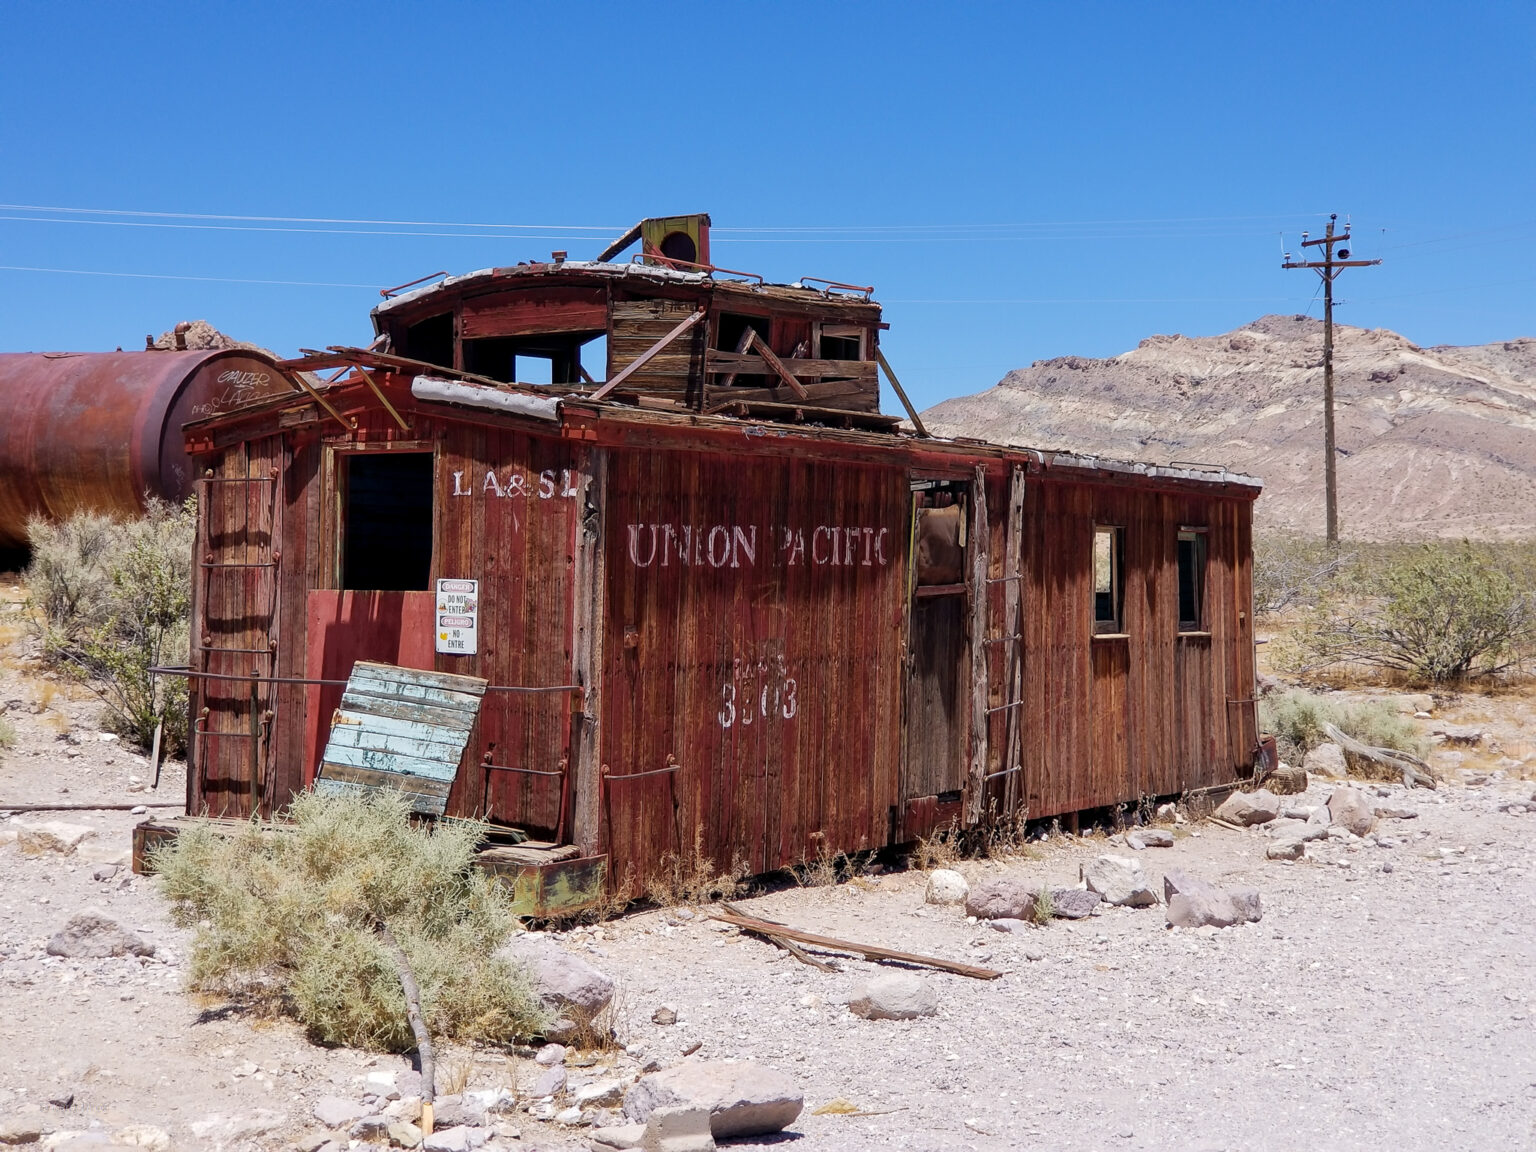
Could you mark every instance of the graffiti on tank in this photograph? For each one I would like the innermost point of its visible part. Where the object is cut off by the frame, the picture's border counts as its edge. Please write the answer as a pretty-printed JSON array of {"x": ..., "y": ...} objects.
[
  {"x": 239, "y": 386},
  {"x": 738, "y": 546},
  {"x": 758, "y": 690}
]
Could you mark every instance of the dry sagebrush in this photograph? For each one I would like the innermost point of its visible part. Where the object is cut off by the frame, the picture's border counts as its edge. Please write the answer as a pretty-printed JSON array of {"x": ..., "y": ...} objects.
[{"x": 289, "y": 916}]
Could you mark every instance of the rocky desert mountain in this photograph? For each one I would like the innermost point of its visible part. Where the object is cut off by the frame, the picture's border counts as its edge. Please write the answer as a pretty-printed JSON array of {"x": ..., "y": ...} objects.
[{"x": 1433, "y": 442}]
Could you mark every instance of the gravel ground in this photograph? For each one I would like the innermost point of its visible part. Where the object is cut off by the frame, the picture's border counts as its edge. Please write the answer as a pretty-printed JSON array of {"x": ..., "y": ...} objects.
[{"x": 1385, "y": 1000}]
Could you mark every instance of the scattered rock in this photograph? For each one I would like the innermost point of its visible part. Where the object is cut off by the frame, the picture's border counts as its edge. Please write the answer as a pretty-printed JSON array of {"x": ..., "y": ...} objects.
[
  {"x": 312, "y": 1142},
  {"x": 456, "y": 1139},
  {"x": 1169, "y": 812},
  {"x": 1248, "y": 808},
  {"x": 1149, "y": 838},
  {"x": 145, "y": 1136},
  {"x": 38, "y": 837},
  {"x": 1287, "y": 780},
  {"x": 90, "y": 935},
  {"x": 334, "y": 1112},
  {"x": 603, "y": 1094},
  {"x": 106, "y": 872},
  {"x": 455, "y": 1112},
  {"x": 1289, "y": 848},
  {"x": 946, "y": 887},
  {"x": 549, "y": 1084},
  {"x": 1351, "y": 809},
  {"x": 1326, "y": 760},
  {"x": 743, "y": 1099},
  {"x": 404, "y": 1133},
  {"x": 999, "y": 897},
  {"x": 685, "y": 1129},
  {"x": 620, "y": 1136},
  {"x": 1074, "y": 903},
  {"x": 1007, "y": 925},
  {"x": 895, "y": 996},
  {"x": 1196, "y": 903},
  {"x": 1119, "y": 880},
  {"x": 572, "y": 1117},
  {"x": 369, "y": 1128},
  {"x": 1458, "y": 735},
  {"x": 21, "y": 1130},
  {"x": 62, "y": 1099},
  {"x": 550, "y": 1055},
  {"x": 1389, "y": 812},
  {"x": 664, "y": 1015},
  {"x": 570, "y": 988}
]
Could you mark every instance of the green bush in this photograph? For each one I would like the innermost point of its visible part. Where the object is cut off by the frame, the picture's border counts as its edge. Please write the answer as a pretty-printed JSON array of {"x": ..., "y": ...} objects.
[
  {"x": 1296, "y": 718},
  {"x": 1438, "y": 614},
  {"x": 290, "y": 917},
  {"x": 114, "y": 600}
]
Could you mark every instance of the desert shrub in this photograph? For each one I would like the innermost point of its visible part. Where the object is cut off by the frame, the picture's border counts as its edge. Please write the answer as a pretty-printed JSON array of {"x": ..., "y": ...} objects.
[
  {"x": 114, "y": 600},
  {"x": 1437, "y": 614},
  {"x": 7, "y": 734},
  {"x": 692, "y": 877},
  {"x": 1296, "y": 718},
  {"x": 290, "y": 917},
  {"x": 69, "y": 580},
  {"x": 1290, "y": 569}
]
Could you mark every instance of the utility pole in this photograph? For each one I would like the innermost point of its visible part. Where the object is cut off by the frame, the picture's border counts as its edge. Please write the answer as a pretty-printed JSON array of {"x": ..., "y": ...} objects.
[{"x": 1329, "y": 268}]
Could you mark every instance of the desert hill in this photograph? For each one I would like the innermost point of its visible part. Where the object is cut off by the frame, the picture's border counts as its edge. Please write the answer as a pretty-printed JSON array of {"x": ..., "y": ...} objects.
[{"x": 1432, "y": 441}]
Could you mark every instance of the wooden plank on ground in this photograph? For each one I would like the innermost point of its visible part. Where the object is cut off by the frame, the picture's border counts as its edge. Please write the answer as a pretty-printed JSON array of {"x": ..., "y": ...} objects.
[{"x": 868, "y": 951}]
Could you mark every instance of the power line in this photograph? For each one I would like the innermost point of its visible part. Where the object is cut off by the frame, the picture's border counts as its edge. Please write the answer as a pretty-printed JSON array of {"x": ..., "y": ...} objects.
[{"x": 168, "y": 276}]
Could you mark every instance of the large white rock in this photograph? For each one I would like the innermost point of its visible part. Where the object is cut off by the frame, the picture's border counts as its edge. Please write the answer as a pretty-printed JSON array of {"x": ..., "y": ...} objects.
[
  {"x": 946, "y": 886},
  {"x": 1248, "y": 808},
  {"x": 1119, "y": 880},
  {"x": 572, "y": 990},
  {"x": 743, "y": 1099},
  {"x": 92, "y": 935},
  {"x": 1326, "y": 760},
  {"x": 894, "y": 996},
  {"x": 1352, "y": 809}
]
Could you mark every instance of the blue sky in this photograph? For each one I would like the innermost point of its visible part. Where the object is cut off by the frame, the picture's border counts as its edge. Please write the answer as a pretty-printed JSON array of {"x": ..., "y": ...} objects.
[{"x": 1018, "y": 181}]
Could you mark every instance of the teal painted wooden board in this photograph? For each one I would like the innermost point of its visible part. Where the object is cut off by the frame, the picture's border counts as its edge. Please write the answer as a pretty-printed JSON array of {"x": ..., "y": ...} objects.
[{"x": 403, "y": 729}]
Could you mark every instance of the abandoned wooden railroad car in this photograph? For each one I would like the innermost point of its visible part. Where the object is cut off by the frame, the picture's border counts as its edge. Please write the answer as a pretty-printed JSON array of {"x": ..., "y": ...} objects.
[{"x": 720, "y": 601}]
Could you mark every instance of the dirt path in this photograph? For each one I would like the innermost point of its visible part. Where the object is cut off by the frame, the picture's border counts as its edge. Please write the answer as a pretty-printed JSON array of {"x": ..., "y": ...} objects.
[{"x": 1386, "y": 1000}]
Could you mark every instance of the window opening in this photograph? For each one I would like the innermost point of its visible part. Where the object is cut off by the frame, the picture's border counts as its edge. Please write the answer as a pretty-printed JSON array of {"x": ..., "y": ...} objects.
[
  {"x": 730, "y": 329},
  {"x": 552, "y": 359},
  {"x": 840, "y": 342},
  {"x": 386, "y": 521},
  {"x": 939, "y": 535},
  {"x": 431, "y": 340},
  {"x": 680, "y": 246},
  {"x": 1108, "y": 580},
  {"x": 1192, "y": 579}
]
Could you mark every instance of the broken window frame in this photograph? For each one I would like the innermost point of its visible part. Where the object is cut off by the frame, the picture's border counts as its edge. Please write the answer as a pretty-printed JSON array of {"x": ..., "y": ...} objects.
[{"x": 1108, "y": 615}]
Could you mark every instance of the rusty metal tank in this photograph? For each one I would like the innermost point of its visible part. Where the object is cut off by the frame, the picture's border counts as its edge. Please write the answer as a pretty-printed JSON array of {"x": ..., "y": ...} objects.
[{"x": 101, "y": 430}]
